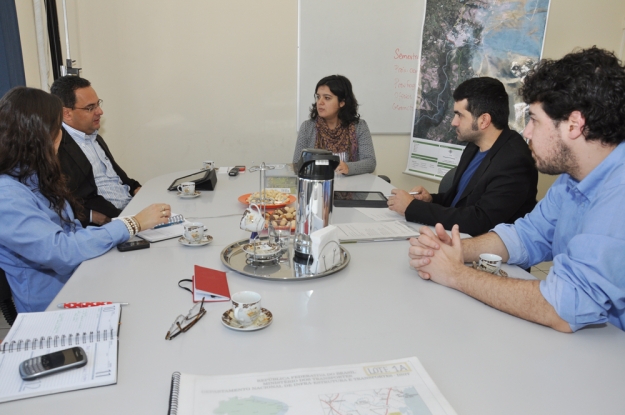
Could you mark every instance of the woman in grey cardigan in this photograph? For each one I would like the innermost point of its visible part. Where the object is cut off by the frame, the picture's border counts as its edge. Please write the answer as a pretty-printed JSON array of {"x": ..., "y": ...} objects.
[{"x": 335, "y": 125}]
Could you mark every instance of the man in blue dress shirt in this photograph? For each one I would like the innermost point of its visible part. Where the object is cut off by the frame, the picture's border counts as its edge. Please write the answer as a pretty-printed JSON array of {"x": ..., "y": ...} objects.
[
  {"x": 577, "y": 130},
  {"x": 100, "y": 184}
]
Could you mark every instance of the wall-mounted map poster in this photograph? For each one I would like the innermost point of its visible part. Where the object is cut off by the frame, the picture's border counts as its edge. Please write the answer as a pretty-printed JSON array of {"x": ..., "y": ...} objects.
[{"x": 502, "y": 39}]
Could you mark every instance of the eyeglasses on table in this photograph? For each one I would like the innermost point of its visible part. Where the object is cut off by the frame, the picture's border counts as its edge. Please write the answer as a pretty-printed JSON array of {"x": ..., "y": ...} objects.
[{"x": 183, "y": 324}]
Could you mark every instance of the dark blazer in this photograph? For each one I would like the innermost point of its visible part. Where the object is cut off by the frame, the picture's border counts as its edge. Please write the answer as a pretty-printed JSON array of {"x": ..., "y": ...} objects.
[
  {"x": 79, "y": 173},
  {"x": 502, "y": 189}
]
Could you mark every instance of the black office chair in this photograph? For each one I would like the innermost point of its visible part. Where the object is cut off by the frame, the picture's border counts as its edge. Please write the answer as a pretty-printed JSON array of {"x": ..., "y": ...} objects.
[
  {"x": 385, "y": 178},
  {"x": 447, "y": 181},
  {"x": 7, "y": 306}
]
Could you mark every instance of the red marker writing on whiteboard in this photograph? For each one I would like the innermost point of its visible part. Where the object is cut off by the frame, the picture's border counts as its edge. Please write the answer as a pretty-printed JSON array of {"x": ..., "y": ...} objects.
[{"x": 87, "y": 304}]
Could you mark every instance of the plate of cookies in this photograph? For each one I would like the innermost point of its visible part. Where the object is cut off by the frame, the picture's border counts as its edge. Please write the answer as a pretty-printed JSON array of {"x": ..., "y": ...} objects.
[{"x": 277, "y": 199}]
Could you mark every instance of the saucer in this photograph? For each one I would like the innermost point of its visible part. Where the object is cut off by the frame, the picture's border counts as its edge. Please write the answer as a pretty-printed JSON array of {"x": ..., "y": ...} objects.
[
  {"x": 205, "y": 241},
  {"x": 500, "y": 273},
  {"x": 264, "y": 319},
  {"x": 263, "y": 249},
  {"x": 183, "y": 196}
]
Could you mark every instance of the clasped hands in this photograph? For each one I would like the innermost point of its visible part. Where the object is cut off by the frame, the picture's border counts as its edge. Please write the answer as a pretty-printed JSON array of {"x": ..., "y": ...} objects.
[{"x": 436, "y": 255}]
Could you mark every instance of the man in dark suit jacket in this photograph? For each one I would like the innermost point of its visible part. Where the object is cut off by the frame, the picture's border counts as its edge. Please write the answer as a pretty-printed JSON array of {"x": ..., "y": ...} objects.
[
  {"x": 81, "y": 147},
  {"x": 496, "y": 178}
]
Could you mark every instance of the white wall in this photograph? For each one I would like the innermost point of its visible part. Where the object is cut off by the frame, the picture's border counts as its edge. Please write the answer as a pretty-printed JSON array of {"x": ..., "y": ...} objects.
[{"x": 189, "y": 80}]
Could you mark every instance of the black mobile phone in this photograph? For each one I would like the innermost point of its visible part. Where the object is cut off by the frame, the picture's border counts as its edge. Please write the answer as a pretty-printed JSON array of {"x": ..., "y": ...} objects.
[
  {"x": 233, "y": 171},
  {"x": 51, "y": 363},
  {"x": 133, "y": 245}
]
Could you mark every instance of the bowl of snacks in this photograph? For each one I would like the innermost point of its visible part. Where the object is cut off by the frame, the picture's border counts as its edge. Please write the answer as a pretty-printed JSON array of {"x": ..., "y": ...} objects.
[{"x": 281, "y": 218}]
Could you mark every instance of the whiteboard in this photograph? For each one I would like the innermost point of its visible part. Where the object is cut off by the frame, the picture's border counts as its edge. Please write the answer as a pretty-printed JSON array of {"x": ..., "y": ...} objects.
[{"x": 375, "y": 43}]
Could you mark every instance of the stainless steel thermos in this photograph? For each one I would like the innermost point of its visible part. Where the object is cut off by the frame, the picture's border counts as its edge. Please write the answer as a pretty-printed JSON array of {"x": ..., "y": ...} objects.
[{"x": 315, "y": 194}]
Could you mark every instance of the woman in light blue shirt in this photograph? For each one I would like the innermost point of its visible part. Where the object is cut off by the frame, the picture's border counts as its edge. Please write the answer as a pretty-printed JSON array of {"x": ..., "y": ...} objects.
[{"x": 41, "y": 240}]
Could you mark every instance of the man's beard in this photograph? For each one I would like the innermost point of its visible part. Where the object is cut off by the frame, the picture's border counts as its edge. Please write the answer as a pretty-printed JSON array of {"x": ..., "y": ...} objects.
[
  {"x": 559, "y": 160},
  {"x": 470, "y": 136}
]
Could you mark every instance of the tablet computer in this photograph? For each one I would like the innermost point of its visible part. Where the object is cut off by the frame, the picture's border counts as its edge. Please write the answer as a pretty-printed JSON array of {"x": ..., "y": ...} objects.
[
  {"x": 359, "y": 199},
  {"x": 204, "y": 180}
]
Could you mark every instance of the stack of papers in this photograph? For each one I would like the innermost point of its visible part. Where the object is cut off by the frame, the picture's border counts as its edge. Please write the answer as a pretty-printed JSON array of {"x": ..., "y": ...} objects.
[{"x": 375, "y": 232}]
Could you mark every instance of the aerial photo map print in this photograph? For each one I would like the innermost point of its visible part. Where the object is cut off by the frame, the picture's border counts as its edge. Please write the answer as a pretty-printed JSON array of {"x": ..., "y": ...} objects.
[{"x": 466, "y": 39}]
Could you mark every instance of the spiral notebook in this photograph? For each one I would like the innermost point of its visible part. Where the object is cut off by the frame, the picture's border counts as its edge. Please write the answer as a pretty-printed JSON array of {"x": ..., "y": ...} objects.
[
  {"x": 387, "y": 387},
  {"x": 95, "y": 329},
  {"x": 174, "y": 228}
]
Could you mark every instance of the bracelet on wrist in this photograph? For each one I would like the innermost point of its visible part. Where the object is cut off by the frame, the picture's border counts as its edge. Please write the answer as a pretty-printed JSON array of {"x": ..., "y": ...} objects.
[
  {"x": 136, "y": 222},
  {"x": 130, "y": 226}
]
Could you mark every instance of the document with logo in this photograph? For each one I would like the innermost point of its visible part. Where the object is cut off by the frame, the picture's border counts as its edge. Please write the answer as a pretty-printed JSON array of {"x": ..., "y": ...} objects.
[{"x": 392, "y": 387}]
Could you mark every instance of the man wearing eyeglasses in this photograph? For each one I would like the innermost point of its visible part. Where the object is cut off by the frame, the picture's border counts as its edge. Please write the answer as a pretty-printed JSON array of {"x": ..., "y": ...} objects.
[{"x": 94, "y": 178}]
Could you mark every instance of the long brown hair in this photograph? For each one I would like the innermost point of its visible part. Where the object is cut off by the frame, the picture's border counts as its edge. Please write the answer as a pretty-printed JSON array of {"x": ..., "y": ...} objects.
[{"x": 30, "y": 120}]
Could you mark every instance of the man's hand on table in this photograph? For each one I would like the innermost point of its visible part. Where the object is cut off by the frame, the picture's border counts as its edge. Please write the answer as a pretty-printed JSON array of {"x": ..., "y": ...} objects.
[{"x": 400, "y": 199}]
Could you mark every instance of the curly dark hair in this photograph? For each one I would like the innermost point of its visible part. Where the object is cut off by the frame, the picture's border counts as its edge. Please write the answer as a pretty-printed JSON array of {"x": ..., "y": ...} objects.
[
  {"x": 485, "y": 95},
  {"x": 65, "y": 86},
  {"x": 342, "y": 88},
  {"x": 591, "y": 81},
  {"x": 30, "y": 121}
]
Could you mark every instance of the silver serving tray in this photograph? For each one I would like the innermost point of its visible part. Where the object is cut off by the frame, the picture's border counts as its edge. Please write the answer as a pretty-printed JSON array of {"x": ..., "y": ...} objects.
[{"x": 284, "y": 268}]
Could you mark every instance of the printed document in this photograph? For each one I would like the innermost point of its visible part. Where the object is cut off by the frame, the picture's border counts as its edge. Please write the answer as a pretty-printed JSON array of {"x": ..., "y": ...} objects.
[
  {"x": 375, "y": 231},
  {"x": 393, "y": 387}
]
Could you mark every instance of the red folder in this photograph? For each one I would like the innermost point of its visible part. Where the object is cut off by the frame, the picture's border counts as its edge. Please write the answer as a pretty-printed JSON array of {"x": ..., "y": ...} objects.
[{"x": 210, "y": 284}]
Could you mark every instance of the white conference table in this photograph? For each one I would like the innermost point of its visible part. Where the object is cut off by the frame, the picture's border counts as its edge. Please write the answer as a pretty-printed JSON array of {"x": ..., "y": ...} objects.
[{"x": 483, "y": 361}]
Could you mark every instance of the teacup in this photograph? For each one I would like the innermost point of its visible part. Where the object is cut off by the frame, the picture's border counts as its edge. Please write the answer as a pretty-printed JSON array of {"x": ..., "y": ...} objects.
[
  {"x": 194, "y": 232},
  {"x": 187, "y": 188},
  {"x": 253, "y": 219},
  {"x": 246, "y": 307},
  {"x": 208, "y": 164},
  {"x": 489, "y": 263}
]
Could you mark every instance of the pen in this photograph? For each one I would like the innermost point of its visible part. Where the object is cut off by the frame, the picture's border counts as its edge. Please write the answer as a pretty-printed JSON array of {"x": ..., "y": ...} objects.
[
  {"x": 87, "y": 304},
  {"x": 410, "y": 193}
]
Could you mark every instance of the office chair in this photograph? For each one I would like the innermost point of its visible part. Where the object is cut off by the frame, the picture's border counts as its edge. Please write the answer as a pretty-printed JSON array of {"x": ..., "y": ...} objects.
[
  {"x": 447, "y": 181},
  {"x": 385, "y": 178},
  {"x": 7, "y": 306}
]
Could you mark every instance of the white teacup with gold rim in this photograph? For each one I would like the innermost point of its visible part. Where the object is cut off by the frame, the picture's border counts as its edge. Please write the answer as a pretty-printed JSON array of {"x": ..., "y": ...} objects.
[
  {"x": 194, "y": 232},
  {"x": 246, "y": 307},
  {"x": 489, "y": 263},
  {"x": 253, "y": 219},
  {"x": 187, "y": 188}
]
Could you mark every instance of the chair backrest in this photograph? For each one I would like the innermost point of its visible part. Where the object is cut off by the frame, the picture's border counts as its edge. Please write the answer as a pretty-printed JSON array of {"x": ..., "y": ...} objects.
[
  {"x": 385, "y": 178},
  {"x": 447, "y": 181},
  {"x": 7, "y": 306}
]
